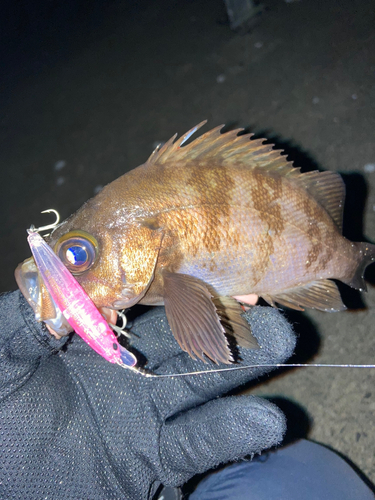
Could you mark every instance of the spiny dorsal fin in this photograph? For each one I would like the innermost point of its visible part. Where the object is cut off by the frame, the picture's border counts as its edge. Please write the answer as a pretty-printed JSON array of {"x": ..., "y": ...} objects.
[{"x": 230, "y": 148}]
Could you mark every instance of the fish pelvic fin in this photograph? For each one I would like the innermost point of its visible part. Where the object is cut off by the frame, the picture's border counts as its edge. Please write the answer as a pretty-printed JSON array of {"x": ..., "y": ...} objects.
[
  {"x": 193, "y": 318},
  {"x": 366, "y": 256},
  {"x": 230, "y": 314},
  {"x": 322, "y": 295}
]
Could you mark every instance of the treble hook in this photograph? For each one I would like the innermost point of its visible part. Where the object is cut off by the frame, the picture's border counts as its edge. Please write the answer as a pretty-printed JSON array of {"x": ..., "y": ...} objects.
[
  {"x": 34, "y": 229},
  {"x": 120, "y": 330}
]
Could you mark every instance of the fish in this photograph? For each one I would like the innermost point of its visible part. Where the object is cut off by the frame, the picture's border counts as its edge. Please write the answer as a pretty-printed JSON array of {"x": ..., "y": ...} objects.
[{"x": 200, "y": 226}]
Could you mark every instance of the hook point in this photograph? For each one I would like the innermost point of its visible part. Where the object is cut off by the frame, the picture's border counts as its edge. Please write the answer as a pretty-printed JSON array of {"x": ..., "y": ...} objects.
[{"x": 34, "y": 229}]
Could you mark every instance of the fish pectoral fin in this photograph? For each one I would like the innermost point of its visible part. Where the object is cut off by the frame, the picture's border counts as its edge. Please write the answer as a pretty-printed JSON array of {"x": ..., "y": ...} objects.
[
  {"x": 230, "y": 314},
  {"x": 193, "y": 318},
  {"x": 323, "y": 295}
]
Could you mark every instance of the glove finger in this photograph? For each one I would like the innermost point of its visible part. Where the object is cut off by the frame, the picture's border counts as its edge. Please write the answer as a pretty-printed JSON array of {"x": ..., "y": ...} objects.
[
  {"x": 276, "y": 340},
  {"x": 218, "y": 432}
]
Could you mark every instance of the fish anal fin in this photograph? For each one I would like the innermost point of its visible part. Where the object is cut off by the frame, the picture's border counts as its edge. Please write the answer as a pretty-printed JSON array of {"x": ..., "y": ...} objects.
[
  {"x": 271, "y": 302},
  {"x": 322, "y": 295},
  {"x": 193, "y": 319},
  {"x": 230, "y": 314}
]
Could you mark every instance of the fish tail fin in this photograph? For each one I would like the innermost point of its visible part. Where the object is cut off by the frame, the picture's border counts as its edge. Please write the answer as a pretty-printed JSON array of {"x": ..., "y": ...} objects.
[{"x": 366, "y": 256}]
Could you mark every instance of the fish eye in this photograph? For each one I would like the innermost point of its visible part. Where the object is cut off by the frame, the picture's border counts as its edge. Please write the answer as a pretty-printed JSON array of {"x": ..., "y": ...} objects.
[{"x": 78, "y": 251}]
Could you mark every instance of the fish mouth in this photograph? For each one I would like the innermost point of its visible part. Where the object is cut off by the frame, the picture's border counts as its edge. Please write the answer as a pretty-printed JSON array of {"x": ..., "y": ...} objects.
[{"x": 33, "y": 289}]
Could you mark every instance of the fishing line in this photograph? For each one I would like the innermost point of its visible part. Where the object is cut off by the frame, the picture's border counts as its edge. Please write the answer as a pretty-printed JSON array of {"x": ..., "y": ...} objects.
[{"x": 148, "y": 374}]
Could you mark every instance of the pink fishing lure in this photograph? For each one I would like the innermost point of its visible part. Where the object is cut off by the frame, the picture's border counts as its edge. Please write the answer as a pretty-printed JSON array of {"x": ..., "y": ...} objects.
[{"x": 77, "y": 307}]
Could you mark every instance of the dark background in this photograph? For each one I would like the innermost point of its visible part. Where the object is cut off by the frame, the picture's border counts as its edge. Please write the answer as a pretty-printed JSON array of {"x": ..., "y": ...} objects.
[{"x": 89, "y": 88}]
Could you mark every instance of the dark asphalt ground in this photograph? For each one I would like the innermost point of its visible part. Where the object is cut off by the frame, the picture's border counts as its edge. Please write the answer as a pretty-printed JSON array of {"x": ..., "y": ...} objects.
[{"x": 88, "y": 89}]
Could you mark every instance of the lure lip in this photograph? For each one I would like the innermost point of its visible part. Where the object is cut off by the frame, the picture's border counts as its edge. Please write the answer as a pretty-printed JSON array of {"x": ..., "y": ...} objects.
[{"x": 28, "y": 280}]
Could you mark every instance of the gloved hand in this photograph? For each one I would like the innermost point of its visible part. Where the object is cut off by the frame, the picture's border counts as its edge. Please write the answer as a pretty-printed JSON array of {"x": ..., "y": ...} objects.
[
  {"x": 176, "y": 428},
  {"x": 75, "y": 426}
]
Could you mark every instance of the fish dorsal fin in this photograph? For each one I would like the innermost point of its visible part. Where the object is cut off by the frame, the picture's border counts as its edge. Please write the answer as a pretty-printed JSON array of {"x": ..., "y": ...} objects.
[{"x": 327, "y": 188}]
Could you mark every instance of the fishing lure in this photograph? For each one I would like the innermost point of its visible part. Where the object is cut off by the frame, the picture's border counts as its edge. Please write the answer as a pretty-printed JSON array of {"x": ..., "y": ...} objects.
[
  {"x": 77, "y": 307},
  {"x": 86, "y": 320}
]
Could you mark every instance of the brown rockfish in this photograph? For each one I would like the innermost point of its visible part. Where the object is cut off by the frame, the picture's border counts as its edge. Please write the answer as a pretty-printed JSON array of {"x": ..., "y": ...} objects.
[{"x": 198, "y": 224}]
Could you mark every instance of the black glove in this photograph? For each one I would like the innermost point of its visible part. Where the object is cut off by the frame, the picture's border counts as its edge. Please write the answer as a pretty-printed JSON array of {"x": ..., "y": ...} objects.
[
  {"x": 178, "y": 426},
  {"x": 75, "y": 426}
]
